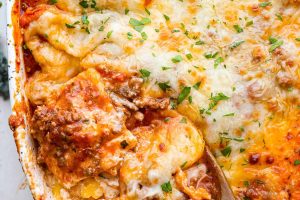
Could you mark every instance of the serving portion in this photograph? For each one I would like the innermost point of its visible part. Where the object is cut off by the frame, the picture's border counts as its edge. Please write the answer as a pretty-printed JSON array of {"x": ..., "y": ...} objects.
[{"x": 123, "y": 94}]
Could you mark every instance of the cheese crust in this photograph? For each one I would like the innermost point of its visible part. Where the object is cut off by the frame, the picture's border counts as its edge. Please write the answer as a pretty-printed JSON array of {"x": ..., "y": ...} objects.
[{"x": 124, "y": 93}]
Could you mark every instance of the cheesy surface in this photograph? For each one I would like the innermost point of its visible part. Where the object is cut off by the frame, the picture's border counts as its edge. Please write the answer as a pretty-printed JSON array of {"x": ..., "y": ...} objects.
[{"x": 130, "y": 89}]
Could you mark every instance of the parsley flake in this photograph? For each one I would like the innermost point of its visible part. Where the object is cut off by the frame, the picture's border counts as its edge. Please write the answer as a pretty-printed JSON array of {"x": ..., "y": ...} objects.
[
  {"x": 197, "y": 85},
  {"x": 129, "y": 36},
  {"x": 109, "y": 34},
  {"x": 177, "y": 59},
  {"x": 275, "y": 45},
  {"x": 183, "y": 94},
  {"x": 218, "y": 61},
  {"x": 52, "y": 2},
  {"x": 145, "y": 73},
  {"x": 167, "y": 18},
  {"x": 138, "y": 25},
  {"x": 237, "y": 28},
  {"x": 166, "y": 187},
  {"x": 297, "y": 162},
  {"x": 265, "y": 4},
  {"x": 164, "y": 86},
  {"x": 236, "y": 44},
  {"x": 84, "y": 4},
  {"x": 226, "y": 151}
]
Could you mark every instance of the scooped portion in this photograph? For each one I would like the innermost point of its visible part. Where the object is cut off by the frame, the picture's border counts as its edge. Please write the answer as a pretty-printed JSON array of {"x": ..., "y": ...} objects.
[
  {"x": 79, "y": 130},
  {"x": 84, "y": 143}
]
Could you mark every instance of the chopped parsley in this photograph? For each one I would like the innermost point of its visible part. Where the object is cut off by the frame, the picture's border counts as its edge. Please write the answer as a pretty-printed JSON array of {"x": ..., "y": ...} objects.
[
  {"x": 279, "y": 16},
  {"x": 69, "y": 25},
  {"x": 87, "y": 30},
  {"x": 109, "y": 34},
  {"x": 129, "y": 36},
  {"x": 211, "y": 55},
  {"x": 165, "y": 68},
  {"x": 237, "y": 28},
  {"x": 199, "y": 42},
  {"x": 138, "y": 25},
  {"x": 147, "y": 11},
  {"x": 84, "y": 4},
  {"x": 189, "y": 56},
  {"x": 272, "y": 40},
  {"x": 183, "y": 164},
  {"x": 218, "y": 61},
  {"x": 185, "y": 92},
  {"x": 265, "y": 4},
  {"x": 183, "y": 120},
  {"x": 246, "y": 183},
  {"x": 249, "y": 23},
  {"x": 215, "y": 99},
  {"x": 228, "y": 115},
  {"x": 226, "y": 151},
  {"x": 197, "y": 85},
  {"x": 166, "y": 187},
  {"x": 101, "y": 28},
  {"x": 103, "y": 23},
  {"x": 177, "y": 59},
  {"x": 167, "y": 18},
  {"x": 236, "y": 44},
  {"x": 145, "y": 73},
  {"x": 164, "y": 86},
  {"x": 297, "y": 162},
  {"x": 85, "y": 20},
  {"x": 231, "y": 138},
  {"x": 52, "y": 2},
  {"x": 144, "y": 36},
  {"x": 275, "y": 45},
  {"x": 190, "y": 98},
  {"x": 126, "y": 11}
]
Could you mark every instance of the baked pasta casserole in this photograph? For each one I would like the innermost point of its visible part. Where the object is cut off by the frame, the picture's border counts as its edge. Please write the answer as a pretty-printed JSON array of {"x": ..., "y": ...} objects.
[{"x": 123, "y": 96}]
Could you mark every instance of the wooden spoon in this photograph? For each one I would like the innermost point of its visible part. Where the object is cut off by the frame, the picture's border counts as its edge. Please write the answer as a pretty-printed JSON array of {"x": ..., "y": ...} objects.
[{"x": 226, "y": 192}]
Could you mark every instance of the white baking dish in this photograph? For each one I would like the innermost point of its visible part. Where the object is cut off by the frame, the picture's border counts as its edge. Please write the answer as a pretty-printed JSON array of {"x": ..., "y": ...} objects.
[{"x": 23, "y": 140}]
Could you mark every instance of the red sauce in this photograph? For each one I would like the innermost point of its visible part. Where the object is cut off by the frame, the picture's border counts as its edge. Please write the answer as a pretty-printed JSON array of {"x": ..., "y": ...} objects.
[
  {"x": 32, "y": 14},
  {"x": 114, "y": 76},
  {"x": 31, "y": 65},
  {"x": 147, "y": 2},
  {"x": 31, "y": 3}
]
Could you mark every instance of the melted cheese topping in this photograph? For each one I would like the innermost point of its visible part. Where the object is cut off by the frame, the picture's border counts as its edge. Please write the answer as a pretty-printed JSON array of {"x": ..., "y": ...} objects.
[{"x": 231, "y": 66}]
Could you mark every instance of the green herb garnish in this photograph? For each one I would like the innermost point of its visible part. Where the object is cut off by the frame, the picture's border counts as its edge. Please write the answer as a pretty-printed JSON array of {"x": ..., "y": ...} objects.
[
  {"x": 166, "y": 187},
  {"x": 183, "y": 94},
  {"x": 145, "y": 73},
  {"x": 226, "y": 151}
]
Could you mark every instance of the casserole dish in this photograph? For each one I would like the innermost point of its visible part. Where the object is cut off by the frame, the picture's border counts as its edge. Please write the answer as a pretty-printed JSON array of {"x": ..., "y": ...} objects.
[
  {"x": 226, "y": 72},
  {"x": 24, "y": 142}
]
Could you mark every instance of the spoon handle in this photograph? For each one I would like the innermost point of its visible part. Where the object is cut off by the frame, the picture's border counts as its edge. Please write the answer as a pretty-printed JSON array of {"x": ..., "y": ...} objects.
[{"x": 226, "y": 192}]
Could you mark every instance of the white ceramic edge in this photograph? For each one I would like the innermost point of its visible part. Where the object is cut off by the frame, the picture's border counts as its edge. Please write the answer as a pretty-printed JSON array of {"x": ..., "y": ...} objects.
[
  {"x": 10, "y": 50},
  {"x": 23, "y": 139}
]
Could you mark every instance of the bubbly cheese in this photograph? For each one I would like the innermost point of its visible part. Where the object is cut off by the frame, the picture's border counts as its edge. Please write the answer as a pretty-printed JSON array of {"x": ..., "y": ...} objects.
[{"x": 238, "y": 60}]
